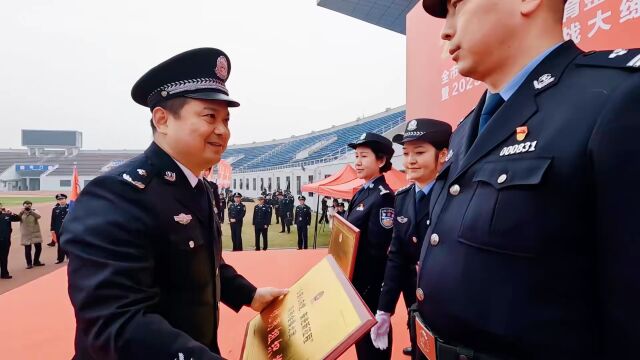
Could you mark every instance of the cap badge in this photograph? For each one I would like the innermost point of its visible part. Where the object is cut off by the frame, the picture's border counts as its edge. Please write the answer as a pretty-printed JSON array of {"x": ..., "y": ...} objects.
[
  {"x": 412, "y": 125},
  {"x": 183, "y": 218},
  {"x": 543, "y": 81},
  {"x": 363, "y": 136},
  {"x": 222, "y": 68},
  {"x": 521, "y": 132},
  {"x": 171, "y": 176}
]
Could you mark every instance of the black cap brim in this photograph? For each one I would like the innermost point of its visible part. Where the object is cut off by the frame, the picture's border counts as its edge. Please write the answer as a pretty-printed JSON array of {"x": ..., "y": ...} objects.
[
  {"x": 398, "y": 139},
  {"x": 212, "y": 95}
]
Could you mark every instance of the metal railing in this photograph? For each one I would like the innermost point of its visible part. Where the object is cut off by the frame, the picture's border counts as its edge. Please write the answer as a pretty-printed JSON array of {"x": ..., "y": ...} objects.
[{"x": 333, "y": 156}]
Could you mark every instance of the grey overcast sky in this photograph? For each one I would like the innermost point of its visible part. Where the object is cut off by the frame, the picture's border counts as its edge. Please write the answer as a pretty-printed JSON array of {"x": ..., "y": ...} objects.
[{"x": 296, "y": 67}]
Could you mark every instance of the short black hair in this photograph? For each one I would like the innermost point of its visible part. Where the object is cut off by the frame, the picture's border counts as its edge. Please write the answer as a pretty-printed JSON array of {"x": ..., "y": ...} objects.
[
  {"x": 27, "y": 202},
  {"x": 173, "y": 106},
  {"x": 387, "y": 161}
]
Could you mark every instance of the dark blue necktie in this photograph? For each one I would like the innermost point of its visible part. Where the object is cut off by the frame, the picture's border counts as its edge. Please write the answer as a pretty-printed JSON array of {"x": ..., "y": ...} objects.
[
  {"x": 491, "y": 106},
  {"x": 419, "y": 196}
]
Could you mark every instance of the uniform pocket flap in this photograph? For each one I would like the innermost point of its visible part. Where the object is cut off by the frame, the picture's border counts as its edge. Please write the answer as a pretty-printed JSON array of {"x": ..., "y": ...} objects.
[{"x": 501, "y": 174}]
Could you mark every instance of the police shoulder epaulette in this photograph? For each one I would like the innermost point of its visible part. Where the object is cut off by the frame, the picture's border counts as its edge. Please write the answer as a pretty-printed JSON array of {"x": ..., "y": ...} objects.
[
  {"x": 404, "y": 189},
  {"x": 137, "y": 175},
  {"x": 620, "y": 58}
]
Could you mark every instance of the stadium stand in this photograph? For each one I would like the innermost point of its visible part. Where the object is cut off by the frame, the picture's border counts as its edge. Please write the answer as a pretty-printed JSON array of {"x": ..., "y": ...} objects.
[{"x": 51, "y": 169}]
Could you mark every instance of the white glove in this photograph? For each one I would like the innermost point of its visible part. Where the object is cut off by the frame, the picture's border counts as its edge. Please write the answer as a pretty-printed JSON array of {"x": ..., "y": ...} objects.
[{"x": 380, "y": 332}]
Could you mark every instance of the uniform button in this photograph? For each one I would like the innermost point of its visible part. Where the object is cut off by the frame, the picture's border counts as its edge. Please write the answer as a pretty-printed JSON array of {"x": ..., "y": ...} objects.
[
  {"x": 454, "y": 190},
  {"x": 415, "y": 240},
  {"x": 419, "y": 294},
  {"x": 502, "y": 178},
  {"x": 435, "y": 239},
  {"x": 428, "y": 222},
  {"x": 191, "y": 244}
]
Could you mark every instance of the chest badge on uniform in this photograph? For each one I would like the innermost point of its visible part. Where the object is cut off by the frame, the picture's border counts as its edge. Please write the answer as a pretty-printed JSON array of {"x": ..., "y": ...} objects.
[
  {"x": 521, "y": 132},
  {"x": 543, "y": 81},
  {"x": 183, "y": 219},
  {"x": 382, "y": 190},
  {"x": 402, "y": 219},
  {"x": 360, "y": 207},
  {"x": 386, "y": 217},
  {"x": 171, "y": 176}
]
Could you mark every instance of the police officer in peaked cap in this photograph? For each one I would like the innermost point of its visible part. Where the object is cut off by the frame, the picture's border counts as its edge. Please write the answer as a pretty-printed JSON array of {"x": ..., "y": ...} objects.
[
  {"x": 533, "y": 247},
  {"x": 371, "y": 211},
  {"x": 261, "y": 221},
  {"x": 146, "y": 281},
  {"x": 237, "y": 212},
  {"x": 302, "y": 220},
  {"x": 424, "y": 145}
]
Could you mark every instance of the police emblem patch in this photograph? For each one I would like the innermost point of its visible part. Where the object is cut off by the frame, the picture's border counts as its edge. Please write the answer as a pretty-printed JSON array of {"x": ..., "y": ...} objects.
[
  {"x": 386, "y": 217},
  {"x": 222, "y": 68},
  {"x": 412, "y": 125}
]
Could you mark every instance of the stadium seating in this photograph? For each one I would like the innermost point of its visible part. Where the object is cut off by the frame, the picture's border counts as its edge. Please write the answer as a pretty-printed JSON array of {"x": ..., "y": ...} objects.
[{"x": 320, "y": 146}]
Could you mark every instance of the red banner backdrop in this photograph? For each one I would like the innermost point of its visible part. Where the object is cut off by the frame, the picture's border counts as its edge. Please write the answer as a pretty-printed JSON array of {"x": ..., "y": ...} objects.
[
  {"x": 434, "y": 87},
  {"x": 224, "y": 175}
]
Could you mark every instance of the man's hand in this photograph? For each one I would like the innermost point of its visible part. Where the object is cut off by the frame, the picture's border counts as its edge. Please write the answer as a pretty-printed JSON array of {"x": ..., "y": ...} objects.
[
  {"x": 266, "y": 226},
  {"x": 380, "y": 332},
  {"x": 264, "y": 296},
  {"x": 232, "y": 220},
  {"x": 53, "y": 236}
]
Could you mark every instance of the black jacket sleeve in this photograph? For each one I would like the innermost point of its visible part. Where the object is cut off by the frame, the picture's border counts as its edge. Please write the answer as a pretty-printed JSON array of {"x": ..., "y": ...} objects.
[
  {"x": 111, "y": 274},
  {"x": 615, "y": 158}
]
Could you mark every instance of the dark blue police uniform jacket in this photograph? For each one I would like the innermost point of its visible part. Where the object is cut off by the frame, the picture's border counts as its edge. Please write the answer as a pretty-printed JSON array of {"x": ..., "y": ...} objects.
[
  {"x": 533, "y": 248},
  {"x": 371, "y": 211},
  {"x": 146, "y": 272},
  {"x": 409, "y": 228}
]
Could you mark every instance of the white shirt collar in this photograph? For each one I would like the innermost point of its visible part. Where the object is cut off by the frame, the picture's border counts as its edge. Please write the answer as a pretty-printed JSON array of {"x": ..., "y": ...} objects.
[{"x": 193, "y": 179}]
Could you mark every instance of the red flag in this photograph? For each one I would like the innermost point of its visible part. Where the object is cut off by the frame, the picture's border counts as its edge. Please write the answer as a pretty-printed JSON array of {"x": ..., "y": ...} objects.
[{"x": 75, "y": 187}]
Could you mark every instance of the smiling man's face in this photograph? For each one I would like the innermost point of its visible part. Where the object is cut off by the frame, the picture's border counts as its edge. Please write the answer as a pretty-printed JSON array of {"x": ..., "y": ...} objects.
[{"x": 199, "y": 134}]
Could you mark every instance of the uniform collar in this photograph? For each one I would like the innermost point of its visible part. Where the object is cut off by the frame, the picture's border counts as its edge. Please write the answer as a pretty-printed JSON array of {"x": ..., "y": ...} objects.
[
  {"x": 426, "y": 189},
  {"x": 193, "y": 179},
  {"x": 517, "y": 80},
  {"x": 369, "y": 184}
]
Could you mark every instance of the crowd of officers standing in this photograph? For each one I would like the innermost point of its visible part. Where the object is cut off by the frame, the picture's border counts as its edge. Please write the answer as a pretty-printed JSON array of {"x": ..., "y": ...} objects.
[{"x": 279, "y": 203}]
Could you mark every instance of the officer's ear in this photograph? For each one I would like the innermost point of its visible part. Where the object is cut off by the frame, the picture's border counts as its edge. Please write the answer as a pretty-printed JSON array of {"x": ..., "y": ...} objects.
[
  {"x": 160, "y": 119},
  {"x": 442, "y": 157}
]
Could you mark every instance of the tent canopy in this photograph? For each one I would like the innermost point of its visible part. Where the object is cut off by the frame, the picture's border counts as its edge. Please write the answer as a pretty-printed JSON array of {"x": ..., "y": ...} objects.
[{"x": 345, "y": 184}]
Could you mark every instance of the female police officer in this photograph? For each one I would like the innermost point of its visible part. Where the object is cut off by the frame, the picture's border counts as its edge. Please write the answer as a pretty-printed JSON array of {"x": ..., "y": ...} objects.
[
  {"x": 424, "y": 145},
  {"x": 371, "y": 211}
]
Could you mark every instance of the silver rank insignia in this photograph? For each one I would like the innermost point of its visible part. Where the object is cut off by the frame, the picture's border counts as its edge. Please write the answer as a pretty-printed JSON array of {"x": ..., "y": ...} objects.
[
  {"x": 402, "y": 219},
  {"x": 360, "y": 207},
  {"x": 142, "y": 172},
  {"x": 449, "y": 155},
  {"x": 183, "y": 218},
  {"x": 543, "y": 81},
  {"x": 171, "y": 176},
  {"x": 382, "y": 190},
  {"x": 136, "y": 183}
]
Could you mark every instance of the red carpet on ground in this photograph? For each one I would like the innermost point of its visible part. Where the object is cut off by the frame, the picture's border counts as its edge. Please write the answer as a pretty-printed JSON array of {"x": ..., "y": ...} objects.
[{"x": 38, "y": 322}]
